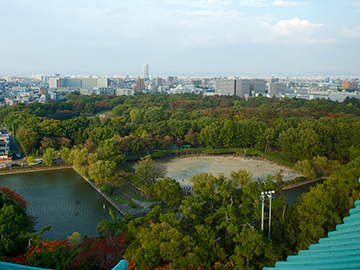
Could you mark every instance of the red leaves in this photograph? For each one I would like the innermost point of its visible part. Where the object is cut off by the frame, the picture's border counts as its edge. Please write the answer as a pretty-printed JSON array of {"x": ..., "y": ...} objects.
[
  {"x": 100, "y": 251},
  {"x": 11, "y": 194}
]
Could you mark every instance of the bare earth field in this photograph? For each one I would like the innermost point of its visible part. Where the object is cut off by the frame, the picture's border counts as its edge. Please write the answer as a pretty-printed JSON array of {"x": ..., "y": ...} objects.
[{"x": 181, "y": 169}]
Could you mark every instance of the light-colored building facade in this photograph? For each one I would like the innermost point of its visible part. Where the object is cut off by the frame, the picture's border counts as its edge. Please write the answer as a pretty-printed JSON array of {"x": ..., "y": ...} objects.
[
  {"x": 4, "y": 145},
  {"x": 54, "y": 82},
  {"x": 257, "y": 86},
  {"x": 107, "y": 91},
  {"x": 146, "y": 71},
  {"x": 277, "y": 88},
  {"x": 103, "y": 82},
  {"x": 238, "y": 87},
  {"x": 89, "y": 83}
]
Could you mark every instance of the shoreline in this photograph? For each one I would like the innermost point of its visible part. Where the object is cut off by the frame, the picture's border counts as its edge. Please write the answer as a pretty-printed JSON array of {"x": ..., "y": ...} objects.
[
  {"x": 39, "y": 169},
  {"x": 117, "y": 206}
]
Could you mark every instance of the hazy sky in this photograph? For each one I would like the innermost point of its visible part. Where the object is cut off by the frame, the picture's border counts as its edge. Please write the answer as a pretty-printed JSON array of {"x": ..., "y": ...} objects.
[{"x": 190, "y": 37}]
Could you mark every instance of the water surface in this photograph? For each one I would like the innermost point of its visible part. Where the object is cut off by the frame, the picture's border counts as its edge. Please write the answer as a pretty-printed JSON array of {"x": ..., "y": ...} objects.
[{"x": 60, "y": 198}]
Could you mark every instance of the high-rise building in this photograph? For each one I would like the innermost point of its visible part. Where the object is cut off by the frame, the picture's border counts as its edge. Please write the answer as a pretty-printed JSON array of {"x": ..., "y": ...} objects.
[
  {"x": 71, "y": 82},
  {"x": 103, "y": 82},
  {"x": 350, "y": 85},
  {"x": 277, "y": 87},
  {"x": 171, "y": 80},
  {"x": 257, "y": 86},
  {"x": 139, "y": 85},
  {"x": 89, "y": 83},
  {"x": 43, "y": 91},
  {"x": 54, "y": 83},
  {"x": 159, "y": 81},
  {"x": 274, "y": 80},
  {"x": 146, "y": 71},
  {"x": 238, "y": 87}
]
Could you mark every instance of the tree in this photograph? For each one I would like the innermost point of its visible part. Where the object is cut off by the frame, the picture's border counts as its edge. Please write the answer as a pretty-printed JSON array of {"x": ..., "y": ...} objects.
[
  {"x": 148, "y": 171},
  {"x": 251, "y": 251},
  {"x": 28, "y": 139},
  {"x": 48, "y": 156},
  {"x": 169, "y": 191},
  {"x": 162, "y": 244},
  {"x": 111, "y": 150},
  {"x": 242, "y": 177},
  {"x": 102, "y": 172},
  {"x": 65, "y": 153},
  {"x": 14, "y": 224}
]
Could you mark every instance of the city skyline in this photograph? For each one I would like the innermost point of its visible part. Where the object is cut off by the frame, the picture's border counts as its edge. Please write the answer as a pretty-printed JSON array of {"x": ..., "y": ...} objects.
[{"x": 205, "y": 37}]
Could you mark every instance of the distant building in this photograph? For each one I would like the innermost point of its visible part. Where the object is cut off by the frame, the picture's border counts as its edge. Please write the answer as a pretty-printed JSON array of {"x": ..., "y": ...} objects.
[
  {"x": 139, "y": 85},
  {"x": 89, "y": 83},
  {"x": 146, "y": 71},
  {"x": 257, "y": 86},
  {"x": 237, "y": 87},
  {"x": 276, "y": 88},
  {"x": 274, "y": 80},
  {"x": 4, "y": 145},
  {"x": 54, "y": 82},
  {"x": 170, "y": 80},
  {"x": 43, "y": 91},
  {"x": 159, "y": 81},
  {"x": 124, "y": 92},
  {"x": 347, "y": 85},
  {"x": 107, "y": 91},
  {"x": 103, "y": 82},
  {"x": 73, "y": 83},
  {"x": 196, "y": 82}
]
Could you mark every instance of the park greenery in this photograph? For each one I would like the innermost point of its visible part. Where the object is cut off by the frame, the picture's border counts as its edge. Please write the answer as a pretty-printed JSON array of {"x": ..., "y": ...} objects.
[{"x": 218, "y": 227}]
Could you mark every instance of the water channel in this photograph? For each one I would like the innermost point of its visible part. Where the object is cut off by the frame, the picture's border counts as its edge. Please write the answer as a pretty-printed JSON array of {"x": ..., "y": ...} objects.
[{"x": 62, "y": 199}]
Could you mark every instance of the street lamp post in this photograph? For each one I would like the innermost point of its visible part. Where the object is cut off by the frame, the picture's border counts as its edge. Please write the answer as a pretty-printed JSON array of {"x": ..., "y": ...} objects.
[
  {"x": 269, "y": 194},
  {"x": 262, "y": 210}
]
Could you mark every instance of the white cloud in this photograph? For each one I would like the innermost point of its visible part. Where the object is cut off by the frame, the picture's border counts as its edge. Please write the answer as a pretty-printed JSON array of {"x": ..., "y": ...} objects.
[
  {"x": 317, "y": 41},
  {"x": 201, "y": 3},
  {"x": 255, "y": 3},
  {"x": 286, "y": 3},
  {"x": 266, "y": 3},
  {"x": 355, "y": 2},
  {"x": 352, "y": 33},
  {"x": 295, "y": 26}
]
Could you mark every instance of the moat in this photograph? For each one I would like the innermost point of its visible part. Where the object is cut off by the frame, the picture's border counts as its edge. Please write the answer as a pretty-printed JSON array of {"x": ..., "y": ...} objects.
[{"x": 62, "y": 199}]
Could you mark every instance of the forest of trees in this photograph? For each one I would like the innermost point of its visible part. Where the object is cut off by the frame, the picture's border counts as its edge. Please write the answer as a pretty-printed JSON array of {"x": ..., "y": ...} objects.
[{"x": 219, "y": 227}]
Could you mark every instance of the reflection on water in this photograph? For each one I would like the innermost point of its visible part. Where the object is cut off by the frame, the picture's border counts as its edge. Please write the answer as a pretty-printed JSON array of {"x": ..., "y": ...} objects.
[
  {"x": 292, "y": 194},
  {"x": 61, "y": 199}
]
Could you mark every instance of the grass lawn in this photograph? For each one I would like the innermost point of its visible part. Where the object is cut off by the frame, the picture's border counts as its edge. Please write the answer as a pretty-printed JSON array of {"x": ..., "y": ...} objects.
[
  {"x": 132, "y": 193},
  {"x": 119, "y": 199}
]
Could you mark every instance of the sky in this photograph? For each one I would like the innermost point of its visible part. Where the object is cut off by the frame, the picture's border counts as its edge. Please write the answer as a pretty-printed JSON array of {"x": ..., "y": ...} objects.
[{"x": 180, "y": 37}]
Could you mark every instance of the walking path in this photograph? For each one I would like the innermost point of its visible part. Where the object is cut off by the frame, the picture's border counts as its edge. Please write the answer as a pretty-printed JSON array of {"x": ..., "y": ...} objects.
[{"x": 303, "y": 183}]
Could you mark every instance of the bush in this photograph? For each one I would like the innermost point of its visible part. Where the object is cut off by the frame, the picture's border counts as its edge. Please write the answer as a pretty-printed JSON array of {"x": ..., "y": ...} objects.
[
  {"x": 130, "y": 204},
  {"x": 106, "y": 189}
]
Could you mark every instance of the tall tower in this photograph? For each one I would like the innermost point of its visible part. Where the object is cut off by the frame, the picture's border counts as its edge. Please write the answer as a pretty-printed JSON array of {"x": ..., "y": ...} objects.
[{"x": 146, "y": 71}]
